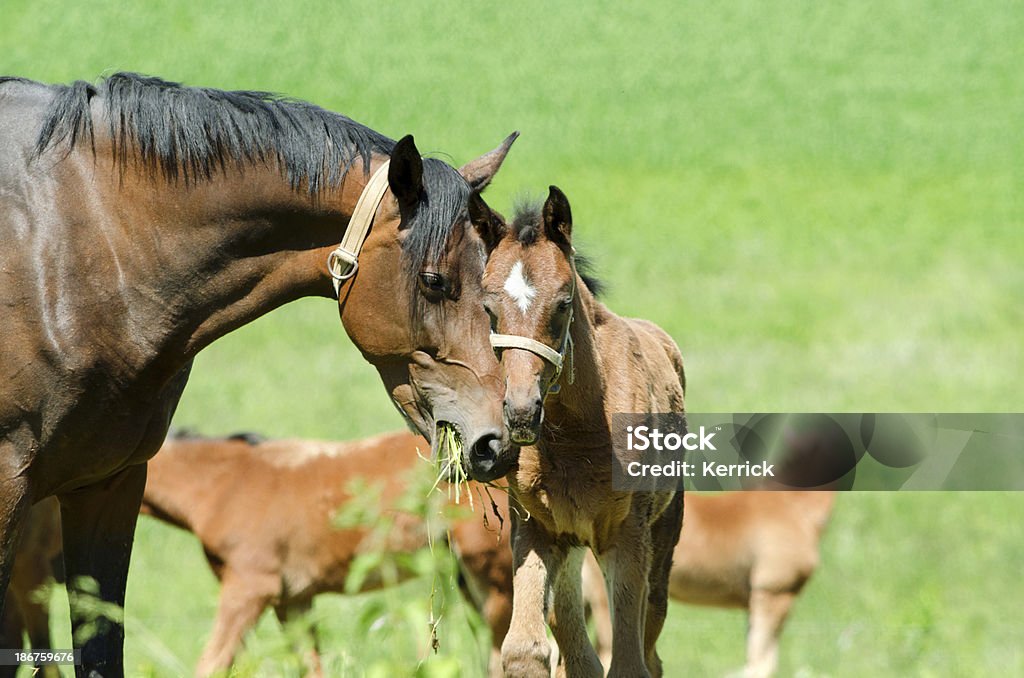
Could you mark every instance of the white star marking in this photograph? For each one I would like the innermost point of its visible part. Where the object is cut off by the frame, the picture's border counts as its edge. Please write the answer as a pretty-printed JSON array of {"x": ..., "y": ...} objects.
[{"x": 519, "y": 288}]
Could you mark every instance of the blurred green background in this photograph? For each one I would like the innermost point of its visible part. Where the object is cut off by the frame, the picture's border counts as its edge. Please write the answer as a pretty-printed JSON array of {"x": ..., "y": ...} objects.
[{"x": 821, "y": 203}]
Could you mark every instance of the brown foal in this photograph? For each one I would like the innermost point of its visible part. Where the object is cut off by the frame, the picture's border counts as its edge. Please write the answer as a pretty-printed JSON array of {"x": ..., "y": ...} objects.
[{"x": 560, "y": 472}]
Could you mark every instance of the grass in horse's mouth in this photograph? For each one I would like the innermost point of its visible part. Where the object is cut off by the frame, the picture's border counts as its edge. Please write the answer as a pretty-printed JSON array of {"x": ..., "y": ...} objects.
[{"x": 448, "y": 462}]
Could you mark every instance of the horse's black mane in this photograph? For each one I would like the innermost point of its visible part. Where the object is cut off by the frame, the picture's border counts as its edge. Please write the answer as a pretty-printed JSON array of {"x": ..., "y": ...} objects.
[
  {"x": 191, "y": 133},
  {"x": 527, "y": 222}
]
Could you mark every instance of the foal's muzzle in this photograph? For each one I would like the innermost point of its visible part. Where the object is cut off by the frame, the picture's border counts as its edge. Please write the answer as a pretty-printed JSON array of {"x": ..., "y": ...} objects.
[{"x": 523, "y": 419}]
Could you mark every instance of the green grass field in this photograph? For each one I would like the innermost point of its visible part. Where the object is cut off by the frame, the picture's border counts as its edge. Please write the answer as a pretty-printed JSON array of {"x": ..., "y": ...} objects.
[{"x": 821, "y": 204}]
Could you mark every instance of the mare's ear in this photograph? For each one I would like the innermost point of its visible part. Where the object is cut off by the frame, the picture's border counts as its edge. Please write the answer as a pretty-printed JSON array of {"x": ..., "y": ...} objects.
[
  {"x": 488, "y": 224},
  {"x": 479, "y": 172},
  {"x": 558, "y": 218},
  {"x": 405, "y": 174}
]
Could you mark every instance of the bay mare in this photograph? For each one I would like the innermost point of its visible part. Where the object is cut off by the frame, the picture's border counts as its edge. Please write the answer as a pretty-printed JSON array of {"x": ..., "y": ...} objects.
[
  {"x": 569, "y": 364},
  {"x": 142, "y": 220}
]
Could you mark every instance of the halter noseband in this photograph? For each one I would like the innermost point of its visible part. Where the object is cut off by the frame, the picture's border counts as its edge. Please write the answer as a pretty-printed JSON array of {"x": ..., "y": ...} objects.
[
  {"x": 558, "y": 358},
  {"x": 343, "y": 262}
]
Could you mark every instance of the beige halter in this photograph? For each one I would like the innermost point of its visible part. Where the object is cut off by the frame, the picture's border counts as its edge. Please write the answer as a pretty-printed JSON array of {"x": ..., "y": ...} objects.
[
  {"x": 556, "y": 358},
  {"x": 343, "y": 262}
]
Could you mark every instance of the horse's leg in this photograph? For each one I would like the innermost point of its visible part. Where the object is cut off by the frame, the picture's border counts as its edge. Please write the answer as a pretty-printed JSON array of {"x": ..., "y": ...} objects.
[
  {"x": 35, "y": 613},
  {"x": 568, "y": 623},
  {"x": 497, "y": 613},
  {"x": 664, "y": 536},
  {"x": 596, "y": 597},
  {"x": 98, "y": 528},
  {"x": 768, "y": 612},
  {"x": 525, "y": 653},
  {"x": 11, "y": 633},
  {"x": 629, "y": 563},
  {"x": 14, "y": 505},
  {"x": 299, "y": 612},
  {"x": 243, "y": 597}
]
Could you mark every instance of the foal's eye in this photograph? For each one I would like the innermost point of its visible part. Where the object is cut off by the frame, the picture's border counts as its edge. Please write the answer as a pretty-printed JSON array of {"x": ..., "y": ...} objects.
[{"x": 433, "y": 284}]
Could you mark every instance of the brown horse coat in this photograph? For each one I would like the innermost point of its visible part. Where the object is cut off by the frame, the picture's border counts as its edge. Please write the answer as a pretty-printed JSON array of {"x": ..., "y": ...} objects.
[
  {"x": 24, "y": 615},
  {"x": 263, "y": 513},
  {"x": 561, "y": 477},
  {"x": 142, "y": 220}
]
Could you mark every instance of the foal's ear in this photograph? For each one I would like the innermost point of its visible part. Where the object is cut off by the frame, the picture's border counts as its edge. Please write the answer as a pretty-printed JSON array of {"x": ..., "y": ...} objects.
[
  {"x": 479, "y": 172},
  {"x": 405, "y": 174},
  {"x": 488, "y": 224},
  {"x": 557, "y": 217}
]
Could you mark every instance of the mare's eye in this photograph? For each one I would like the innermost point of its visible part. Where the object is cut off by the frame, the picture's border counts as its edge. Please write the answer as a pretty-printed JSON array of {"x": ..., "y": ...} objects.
[
  {"x": 433, "y": 284},
  {"x": 494, "y": 318},
  {"x": 564, "y": 305}
]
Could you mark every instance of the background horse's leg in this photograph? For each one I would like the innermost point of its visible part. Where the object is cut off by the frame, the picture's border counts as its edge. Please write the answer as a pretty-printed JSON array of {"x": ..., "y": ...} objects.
[
  {"x": 595, "y": 595},
  {"x": 99, "y": 527},
  {"x": 243, "y": 597},
  {"x": 495, "y": 607},
  {"x": 525, "y": 653},
  {"x": 298, "y": 613},
  {"x": 664, "y": 536},
  {"x": 569, "y": 625},
  {"x": 768, "y": 612}
]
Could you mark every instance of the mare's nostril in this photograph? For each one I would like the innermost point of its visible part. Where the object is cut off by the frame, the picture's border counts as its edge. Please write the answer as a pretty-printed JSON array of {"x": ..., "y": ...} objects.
[{"x": 486, "y": 447}]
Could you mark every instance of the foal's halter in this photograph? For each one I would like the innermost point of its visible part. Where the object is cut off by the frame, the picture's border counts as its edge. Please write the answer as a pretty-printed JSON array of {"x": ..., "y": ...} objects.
[
  {"x": 558, "y": 358},
  {"x": 343, "y": 262}
]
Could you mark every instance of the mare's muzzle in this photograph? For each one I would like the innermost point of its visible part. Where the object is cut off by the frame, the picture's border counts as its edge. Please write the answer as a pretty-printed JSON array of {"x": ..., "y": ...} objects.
[{"x": 449, "y": 392}]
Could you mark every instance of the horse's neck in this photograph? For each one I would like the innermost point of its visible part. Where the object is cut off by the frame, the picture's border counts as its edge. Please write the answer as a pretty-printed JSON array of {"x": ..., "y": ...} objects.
[
  {"x": 580, "y": 406},
  {"x": 216, "y": 254}
]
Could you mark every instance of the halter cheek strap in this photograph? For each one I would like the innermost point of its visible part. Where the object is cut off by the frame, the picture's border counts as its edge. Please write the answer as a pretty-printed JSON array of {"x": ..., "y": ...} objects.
[{"x": 343, "y": 262}]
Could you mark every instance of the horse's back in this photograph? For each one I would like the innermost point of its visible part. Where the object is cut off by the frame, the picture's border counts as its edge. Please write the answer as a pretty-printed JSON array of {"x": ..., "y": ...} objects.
[
  {"x": 661, "y": 364},
  {"x": 282, "y": 516},
  {"x": 735, "y": 541}
]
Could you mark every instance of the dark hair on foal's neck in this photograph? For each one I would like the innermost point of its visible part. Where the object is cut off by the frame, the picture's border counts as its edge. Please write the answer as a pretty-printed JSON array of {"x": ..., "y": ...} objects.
[{"x": 527, "y": 226}]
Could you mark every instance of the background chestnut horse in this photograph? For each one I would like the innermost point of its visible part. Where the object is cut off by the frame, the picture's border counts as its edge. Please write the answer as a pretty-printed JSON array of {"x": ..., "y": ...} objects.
[
  {"x": 265, "y": 512},
  {"x": 142, "y": 220}
]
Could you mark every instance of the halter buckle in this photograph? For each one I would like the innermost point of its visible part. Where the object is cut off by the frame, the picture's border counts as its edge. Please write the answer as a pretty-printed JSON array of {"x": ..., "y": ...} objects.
[{"x": 342, "y": 265}]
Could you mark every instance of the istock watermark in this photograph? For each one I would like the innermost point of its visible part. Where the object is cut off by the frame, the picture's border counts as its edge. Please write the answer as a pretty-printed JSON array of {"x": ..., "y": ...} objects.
[{"x": 847, "y": 451}]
